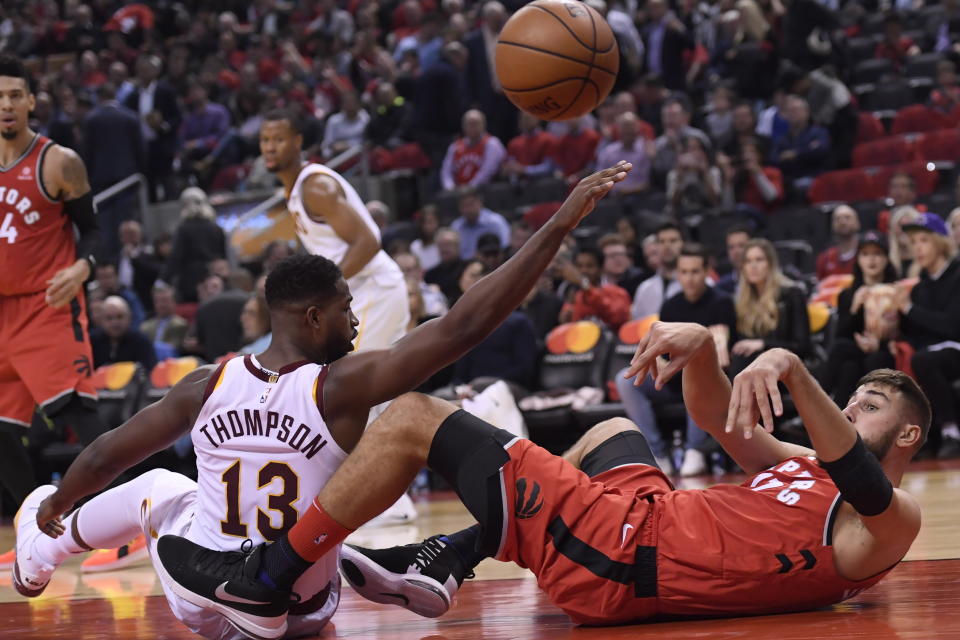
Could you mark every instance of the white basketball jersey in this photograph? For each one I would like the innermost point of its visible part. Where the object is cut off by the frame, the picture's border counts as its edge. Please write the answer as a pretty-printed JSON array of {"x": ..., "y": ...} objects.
[
  {"x": 320, "y": 239},
  {"x": 263, "y": 454}
]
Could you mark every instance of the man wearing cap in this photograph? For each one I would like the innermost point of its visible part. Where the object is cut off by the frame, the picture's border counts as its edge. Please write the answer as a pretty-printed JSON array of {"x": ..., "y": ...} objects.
[
  {"x": 839, "y": 258},
  {"x": 930, "y": 322}
]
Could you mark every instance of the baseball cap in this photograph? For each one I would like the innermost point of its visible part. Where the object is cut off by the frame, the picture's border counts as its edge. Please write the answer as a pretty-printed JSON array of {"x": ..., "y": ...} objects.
[
  {"x": 927, "y": 222},
  {"x": 875, "y": 238}
]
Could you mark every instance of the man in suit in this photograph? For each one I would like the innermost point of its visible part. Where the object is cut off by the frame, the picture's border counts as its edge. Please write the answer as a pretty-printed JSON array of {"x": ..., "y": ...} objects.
[
  {"x": 484, "y": 89},
  {"x": 156, "y": 104},
  {"x": 113, "y": 150},
  {"x": 437, "y": 122}
]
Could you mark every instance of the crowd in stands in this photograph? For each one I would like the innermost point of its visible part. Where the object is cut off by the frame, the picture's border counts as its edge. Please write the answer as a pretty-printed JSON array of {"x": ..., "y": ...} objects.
[{"x": 757, "y": 114}]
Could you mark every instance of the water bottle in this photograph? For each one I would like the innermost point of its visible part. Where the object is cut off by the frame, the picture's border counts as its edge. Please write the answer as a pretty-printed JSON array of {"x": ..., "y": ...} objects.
[{"x": 55, "y": 478}]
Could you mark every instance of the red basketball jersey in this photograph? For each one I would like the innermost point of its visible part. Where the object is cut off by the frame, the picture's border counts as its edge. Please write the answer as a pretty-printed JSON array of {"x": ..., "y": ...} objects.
[
  {"x": 468, "y": 158},
  {"x": 36, "y": 237},
  {"x": 764, "y": 546}
]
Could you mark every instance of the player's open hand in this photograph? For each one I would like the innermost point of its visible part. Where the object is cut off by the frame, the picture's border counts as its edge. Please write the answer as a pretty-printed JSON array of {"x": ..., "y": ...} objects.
[
  {"x": 678, "y": 340},
  {"x": 755, "y": 391},
  {"x": 49, "y": 517},
  {"x": 589, "y": 191},
  {"x": 65, "y": 284}
]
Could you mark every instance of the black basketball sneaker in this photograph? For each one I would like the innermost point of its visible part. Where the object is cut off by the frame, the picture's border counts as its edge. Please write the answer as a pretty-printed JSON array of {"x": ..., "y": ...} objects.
[
  {"x": 225, "y": 582},
  {"x": 420, "y": 577}
]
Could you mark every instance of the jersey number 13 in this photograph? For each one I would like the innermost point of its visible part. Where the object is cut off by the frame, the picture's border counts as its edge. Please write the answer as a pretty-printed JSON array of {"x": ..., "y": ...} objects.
[{"x": 281, "y": 503}]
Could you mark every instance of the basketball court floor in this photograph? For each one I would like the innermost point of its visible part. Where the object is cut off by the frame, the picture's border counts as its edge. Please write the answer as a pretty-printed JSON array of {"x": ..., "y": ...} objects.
[{"x": 920, "y": 599}]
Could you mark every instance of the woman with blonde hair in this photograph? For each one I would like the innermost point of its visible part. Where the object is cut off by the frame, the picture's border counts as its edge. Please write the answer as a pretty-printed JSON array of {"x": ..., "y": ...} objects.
[
  {"x": 899, "y": 242},
  {"x": 197, "y": 241},
  {"x": 771, "y": 309}
]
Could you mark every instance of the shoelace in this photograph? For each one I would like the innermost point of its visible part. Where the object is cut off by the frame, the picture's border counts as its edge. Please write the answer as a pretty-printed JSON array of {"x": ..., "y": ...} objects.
[{"x": 217, "y": 559}]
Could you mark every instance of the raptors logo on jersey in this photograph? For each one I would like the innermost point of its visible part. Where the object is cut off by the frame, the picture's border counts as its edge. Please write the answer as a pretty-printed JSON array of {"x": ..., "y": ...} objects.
[
  {"x": 259, "y": 464},
  {"x": 36, "y": 237}
]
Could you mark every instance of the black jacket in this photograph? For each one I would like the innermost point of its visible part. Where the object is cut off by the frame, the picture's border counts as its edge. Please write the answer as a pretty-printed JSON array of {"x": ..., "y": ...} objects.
[{"x": 935, "y": 314}]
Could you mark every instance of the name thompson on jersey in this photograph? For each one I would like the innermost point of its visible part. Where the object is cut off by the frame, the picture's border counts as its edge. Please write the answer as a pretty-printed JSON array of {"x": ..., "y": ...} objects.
[{"x": 236, "y": 423}]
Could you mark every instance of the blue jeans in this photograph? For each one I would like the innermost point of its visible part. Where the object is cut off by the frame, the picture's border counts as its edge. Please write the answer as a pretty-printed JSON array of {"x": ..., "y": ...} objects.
[{"x": 638, "y": 402}]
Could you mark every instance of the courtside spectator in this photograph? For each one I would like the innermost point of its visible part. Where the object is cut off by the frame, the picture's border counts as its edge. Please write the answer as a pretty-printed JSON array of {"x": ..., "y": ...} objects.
[
  {"x": 165, "y": 326},
  {"x": 529, "y": 154},
  {"x": 856, "y": 350},
  {"x": 474, "y": 159},
  {"x": 694, "y": 185},
  {"x": 945, "y": 95},
  {"x": 618, "y": 267},
  {"x": 801, "y": 153},
  {"x": 743, "y": 130},
  {"x": 108, "y": 284},
  {"x": 841, "y": 257},
  {"x": 115, "y": 341},
  {"x": 345, "y": 128},
  {"x": 895, "y": 46},
  {"x": 901, "y": 192},
  {"x": 662, "y": 285},
  {"x": 607, "y": 303},
  {"x": 575, "y": 149},
  {"x": 255, "y": 322},
  {"x": 675, "y": 115},
  {"x": 204, "y": 125},
  {"x": 632, "y": 148},
  {"x": 901, "y": 253},
  {"x": 748, "y": 184},
  {"x": 771, "y": 309},
  {"x": 197, "y": 240},
  {"x": 930, "y": 322},
  {"x": 138, "y": 267},
  {"x": 446, "y": 273},
  {"x": 433, "y": 302},
  {"x": 736, "y": 239},
  {"x": 424, "y": 246},
  {"x": 476, "y": 220}
]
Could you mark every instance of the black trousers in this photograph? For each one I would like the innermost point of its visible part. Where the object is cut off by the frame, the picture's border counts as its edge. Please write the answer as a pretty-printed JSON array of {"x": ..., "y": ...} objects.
[
  {"x": 936, "y": 371},
  {"x": 846, "y": 364}
]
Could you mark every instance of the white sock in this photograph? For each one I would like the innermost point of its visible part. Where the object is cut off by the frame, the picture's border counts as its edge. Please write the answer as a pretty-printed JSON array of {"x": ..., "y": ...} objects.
[
  {"x": 950, "y": 430},
  {"x": 56, "y": 550}
]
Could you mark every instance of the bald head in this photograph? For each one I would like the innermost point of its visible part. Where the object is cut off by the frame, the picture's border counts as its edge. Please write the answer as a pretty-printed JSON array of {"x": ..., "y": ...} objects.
[
  {"x": 845, "y": 222},
  {"x": 115, "y": 316},
  {"x": 628, "y": 125},
  {"x": 474, "y": 124}
]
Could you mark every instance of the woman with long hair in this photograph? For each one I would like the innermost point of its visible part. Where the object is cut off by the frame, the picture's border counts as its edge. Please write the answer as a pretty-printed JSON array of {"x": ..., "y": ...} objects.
[
  {"x": 771, "y": 309},
  {"x": 898, "y": 241},
  {"x": 856, "y": 349}
]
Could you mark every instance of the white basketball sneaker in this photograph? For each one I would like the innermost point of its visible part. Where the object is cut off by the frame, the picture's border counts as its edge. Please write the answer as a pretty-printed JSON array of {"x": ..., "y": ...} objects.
[
  {"x": 400, "y": 512},
  {"x": 30, "y": 572}
]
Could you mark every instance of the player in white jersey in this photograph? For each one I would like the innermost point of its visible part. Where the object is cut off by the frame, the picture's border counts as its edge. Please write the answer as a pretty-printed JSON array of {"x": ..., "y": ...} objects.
[
  {"x": 333, "y": 221},
  {"x": 245, "y": 488}
]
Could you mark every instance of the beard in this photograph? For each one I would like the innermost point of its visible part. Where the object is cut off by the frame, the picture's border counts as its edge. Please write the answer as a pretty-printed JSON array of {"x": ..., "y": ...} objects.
[
  {"x": 880, "y": 445},
  {"x": 9, "y": 134}
]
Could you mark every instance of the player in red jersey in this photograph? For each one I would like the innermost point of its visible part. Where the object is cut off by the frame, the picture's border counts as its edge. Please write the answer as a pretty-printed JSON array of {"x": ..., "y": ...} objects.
[
  {"x": 607, "y": 536},
  {"x": 45, "y": 356}
]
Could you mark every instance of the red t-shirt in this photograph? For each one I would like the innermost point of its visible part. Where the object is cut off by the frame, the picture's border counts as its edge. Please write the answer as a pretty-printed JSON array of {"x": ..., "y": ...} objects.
[
  {"x": 531, "y": 149},
  {"x": 573, "y": 152},
  {"x": 831, "y": 263}
]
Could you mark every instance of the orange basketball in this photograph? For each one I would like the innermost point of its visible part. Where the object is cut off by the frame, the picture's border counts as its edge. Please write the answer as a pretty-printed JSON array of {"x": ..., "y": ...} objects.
[{"x": 557, "y": 59}]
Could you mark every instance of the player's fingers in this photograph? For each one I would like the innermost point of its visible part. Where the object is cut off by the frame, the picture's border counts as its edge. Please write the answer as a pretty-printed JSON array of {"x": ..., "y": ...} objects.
[
  {"x": 774, "y": 392},
  {"x": 763, "y": 403},
  {"x": 733, "y": 408},
  {"x": 667, "y": 372}
]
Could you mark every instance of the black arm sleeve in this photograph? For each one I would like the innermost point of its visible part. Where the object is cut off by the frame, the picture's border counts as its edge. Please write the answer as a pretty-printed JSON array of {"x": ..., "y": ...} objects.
[{"x": 83, "y": 213}]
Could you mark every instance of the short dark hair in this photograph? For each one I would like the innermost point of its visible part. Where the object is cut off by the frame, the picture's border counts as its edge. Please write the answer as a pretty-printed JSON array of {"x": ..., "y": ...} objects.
[
  {"x": 13, "y": 67},
  {"x": 680, "y": 99},
  {"x": 591, "y": 251},
  {"x": 739, "y": 227},
  {"x": 667, "y": 226},
  {"x": 283, "y": 113},
  {"x": 695, "y": 250},
  {"x": 302, "y": 278},
  {"x": 904, "y": 174},
  {"x": 917, "y": 404}
]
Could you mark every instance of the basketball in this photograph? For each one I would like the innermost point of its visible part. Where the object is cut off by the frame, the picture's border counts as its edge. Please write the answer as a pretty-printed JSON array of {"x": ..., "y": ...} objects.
[{"x": 557, "y": 59}]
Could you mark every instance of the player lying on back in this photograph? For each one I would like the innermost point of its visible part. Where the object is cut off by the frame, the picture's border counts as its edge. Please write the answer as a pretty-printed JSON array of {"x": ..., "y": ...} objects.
[
  {"x": 607, "y": 536},
  {"x": 269, "y": 430}
]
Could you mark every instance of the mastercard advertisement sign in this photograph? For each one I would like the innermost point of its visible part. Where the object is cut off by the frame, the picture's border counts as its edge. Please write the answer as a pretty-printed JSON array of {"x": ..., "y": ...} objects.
[
  {"x": 113, "y": 377},
  {"x": 634, "y": 331},
  {"x": 573, "y": 337},
  {"x": 171, "y": 371}
]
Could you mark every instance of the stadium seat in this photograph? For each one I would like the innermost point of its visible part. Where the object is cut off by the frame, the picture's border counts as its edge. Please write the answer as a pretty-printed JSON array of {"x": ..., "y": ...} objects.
[
  {"x": 576, "y": 357},
  {"x": 860, "y": 49},
  {"x": 794, "y": 252},
  {"x": 500, "y": 196},
  {"x": 871, "y": 71},
  {"x": 869, "y": 127},
  {"x": 889, "y": 96},
  {"x": 168, "y": 373},
  {"x": 542, "y": 190},
  {"x": 840, "y": 186},
  {"x": 119, "y": 391},
  {"x": 922, "y": 67},
  {"x": 917, "y": 118},
  {"x": 890, "y": 150},
  {"x": 942, "y": 145}
]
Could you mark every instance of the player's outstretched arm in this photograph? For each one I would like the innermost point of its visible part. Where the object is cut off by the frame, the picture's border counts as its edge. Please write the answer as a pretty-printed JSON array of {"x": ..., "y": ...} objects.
[
  {"x": 891, "y": 516},
  {"x": 152, "y": 429},
  {"x": 323, "y": 197},
  {"x": 706, "y": 390},
  {"x": 369, "y": 378}
]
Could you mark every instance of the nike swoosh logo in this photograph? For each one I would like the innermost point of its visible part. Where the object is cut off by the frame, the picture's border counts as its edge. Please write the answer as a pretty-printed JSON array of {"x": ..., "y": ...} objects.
[
  {"x": 398, "y": 596},
  {"x": 222, "y": 594},
  {"x": 626, "y": 530}
]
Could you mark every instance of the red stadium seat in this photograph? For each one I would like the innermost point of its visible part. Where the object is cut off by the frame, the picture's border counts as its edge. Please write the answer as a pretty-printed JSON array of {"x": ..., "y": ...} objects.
[
  {"x": 890, "y": 150},
  {"x": 939, "y": 146},
  {"x": 841, "y": 186},
  {"x": 917, "y": 118},
  {"x": 869, "y": 127}
]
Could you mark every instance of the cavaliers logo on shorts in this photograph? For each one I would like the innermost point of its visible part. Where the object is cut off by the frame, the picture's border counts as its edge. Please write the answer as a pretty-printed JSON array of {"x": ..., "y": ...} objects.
[{"x": 527, "y": 507}]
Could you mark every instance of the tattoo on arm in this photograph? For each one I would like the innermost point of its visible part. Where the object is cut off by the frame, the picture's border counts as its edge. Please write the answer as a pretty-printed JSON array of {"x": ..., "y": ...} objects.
[{"x": 73, "y": 176}]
